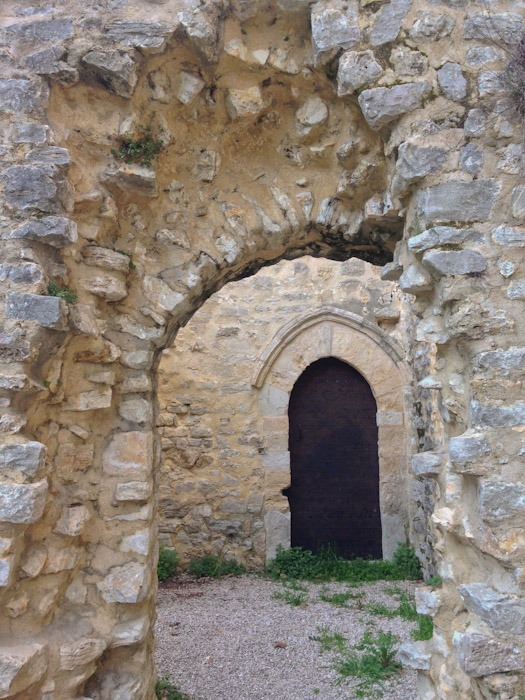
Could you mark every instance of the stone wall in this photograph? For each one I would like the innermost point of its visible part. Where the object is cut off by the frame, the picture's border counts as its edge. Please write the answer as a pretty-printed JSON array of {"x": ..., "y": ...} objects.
[
  {"x": 224, "y": 460},
  {"x": 340, "y": 129}
]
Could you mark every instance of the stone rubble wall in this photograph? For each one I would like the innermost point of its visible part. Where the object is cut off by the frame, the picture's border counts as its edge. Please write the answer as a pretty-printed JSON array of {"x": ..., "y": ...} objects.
[
  {"x": 213, "y": 479},
  {"x": 337, "y": 128}
]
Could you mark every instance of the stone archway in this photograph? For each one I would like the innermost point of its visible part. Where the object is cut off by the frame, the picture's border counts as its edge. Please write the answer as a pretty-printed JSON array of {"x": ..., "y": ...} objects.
[
  {"x": 337, "y": 177},
  {"x": 332, "y": 332}
]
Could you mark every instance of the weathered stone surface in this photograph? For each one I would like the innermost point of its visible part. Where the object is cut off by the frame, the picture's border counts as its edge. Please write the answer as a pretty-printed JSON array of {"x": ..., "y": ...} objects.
[
  {"x": 129, "y": 453},
  {"x": 26, "y": 458},
  {"x": 24, "y": 273},
  {"x": 356, "y": 69},
  {"x": 129, "y": 632},
  {"x": 83, "y": 320},
  {"x": 501, "y": 502},
  {"x": 498, "y": 415},
  {"x": 139, "y": 543},
  {"x": 136, "y": 411},
  {"x": 497, "y": 27},
  {"x": 187, "y": 86},
  {"x": 454, "y": 262},
  {"x": 124, "y": 584},
  {"x": 512, "y": 237},
  {"x": 415, "y": 279},
  {"x": 49, "y": 155},
  {"x": 29, "y": 133},
  {"x": 516, "y": 289},
  {"x": 483, "y": 55},
  {"x": 471, "y": 159},
  {"x": 414, "y": 163},
  {"x": 106, "y": 258},
  {"x": 19, "y": 96},
  {"x": 518, "y": 202},
  {"x": 50, "y": 312},
  {"x": 382, "y": 105},
  {"x": 427, "y": 464},
  {"x": 22, "y": 503},
  {"x": 107, "y": 286},
  {"x": 441, "y": 236},
  {"x": 72, "y": 521},
  {"x": 310, "y": 115},
  {"x": 468, "y": 449},
  {"x": 20, "y": 667},
  {"x": 48, "y": 62},
  {"x": 502, "y": 361},
  {"x": 458, "y": 201},
  {"x": 244, "y": 102},
  {"x": 116, "y": 70},
  {"x": 407, "y": 62},
  {"x": 415, "y": 655},
  {"x": 79, "y": 653},
  {"x": 161, "y": 294},
  {"x": 148, "y": 36},
  {"x": 42, "y": 30},
  {"x": 427, "y": 601},
  {"x": 31, "y": 188},
  {"x": 475, "y": 122},
  {"x": 479, "y": 655},
  {"x": 335, "y": 25},
  {"x": 387, "y": 22},
  {"x": 139, "y": 491},
  {"x": 201, "y": 31},
  {"x": 6, "y": 567},
  {"x": 502, "y": 612},
  {"x": 90, "y": 400},
  {"x": 277, "y": 528},
  {"x": 452, "y": 81},
  {"x": 432, "y": 26},
  {"x": 134, "y": 178},
  {"x": 56, "y": 231}
]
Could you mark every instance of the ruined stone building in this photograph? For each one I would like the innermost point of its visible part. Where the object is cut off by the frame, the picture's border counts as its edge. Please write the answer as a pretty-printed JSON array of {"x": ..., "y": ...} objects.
[{"x": 383, "y": 140}]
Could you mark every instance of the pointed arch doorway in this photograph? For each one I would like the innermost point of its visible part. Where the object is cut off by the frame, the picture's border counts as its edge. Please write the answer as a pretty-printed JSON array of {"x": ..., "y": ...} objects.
[{"x": 333, "y": 443}]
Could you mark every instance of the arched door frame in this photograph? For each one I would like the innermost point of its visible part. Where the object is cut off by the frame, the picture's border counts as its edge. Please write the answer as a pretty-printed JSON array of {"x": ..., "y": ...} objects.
[{"x": 332, "y": 332}]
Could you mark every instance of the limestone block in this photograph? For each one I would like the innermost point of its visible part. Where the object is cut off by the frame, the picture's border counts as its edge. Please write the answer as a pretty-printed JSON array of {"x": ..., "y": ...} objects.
[
  {"x": 467, "y": 450},
  {"x": 502, "y": 612},
  {"x": 26, "y": 458},
  {"x": 501, "y": 502},
  {"x": 273, "y": 401},
  {"x": 516, "y": 289},
  {"x": 335, "y": 24},
  {"x": 479, "y": 655},
  {"x": 518, "y": 202},
  {"x": 108, "y": 286},
  {"x": 136, "y": 384},
  {"x": 29, "y": 133},
  {"x": 493, "y": 26},
  {"x": 475, "y": 122},
  {"x": 187, "y": 86},
  {"x": 31, "y": 188},
  {"x": 506, "y": 267},
  {"x": 427, "y": 463},
  {"x": 414, "y": 163},
  {"x": 129, "y": 632},
  {"x": 454, "y": 262},
  {"x": 277, "y": 529},
  {"x": 6, "y": 567},
  {"x": 125, "y": 584},
  {"x": 471, "y": 159},
  {"x": 415, "y": 655},
  {"x": 72, "y": 521},
  {"x": 138, "y": 491},
  {"x": 452, "y": 81},
  {"x": 502, "y": 361},
  {"x": 136, "y": 410},
  {"x": 83, "y": 320},
  {"x": 458, "y": 201},
  {"x": 116, "y": 70},
  {"x": 427, "y": 601},
  {"x": 106, "y": 258},
  {"x": 20, "y": 667},
  {"x": 137, "y": 359},
  {"x": 24, "y": 273},
  {"x": 244, "y": 102},
  {"x": 207, "y": 165},
  {"x": 90, "y": 400},
  {"x": 387, "y": 22},
  {"x": 18, "y": 96},
  {"x": 50, "y": 312},
  {"x": 129, "y": 453},
  {"x": 201, "y": 31},
  {"x": 127, "y": 324},
  {"x": 79, "y": 653},
  {"x": 407, "y": 62},
  {"x": 148, "y": 36},
  {"x": 356, "y": 69},
  {"x": 498, "y": 416},
  {"x": 392, "y": 271},
  {"x": 161, "y": 294},
  {"x": 382, "y": 105},
  {"x": 512, "y": 237},
  {"x": 49, "y": 155},
  {"x": 34, "y": 562},
  {"x": 56, "y": 231},
  {"x": 22, "y": 503},
  {"x": 483, "y": 55},
  {"x": 415, "y": 280},
  {"x": 133, "y": 178},
  {"x": 61, "y": 560},
  {"x": 48, "y": 62},
  {"x": 310, "y": 115},
  {"x": 432, "y": 26},
  {"x": 138, "y": 543},
  {"x": 42, "y": 30}
]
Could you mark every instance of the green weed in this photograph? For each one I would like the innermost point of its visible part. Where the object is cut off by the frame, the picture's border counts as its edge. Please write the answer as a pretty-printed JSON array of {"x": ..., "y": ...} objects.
[
  {"x": 142, "y": 147},
  {"x": 339, "y": 599},
  {"x": 293, "y": 594},
  {"x": 165, "y": 690},
  {"x": 375, "y": 664},
  {"x": 167, "y": 564},
  {"x": 424, "y": 629},
  {"x": 380, "y": 609},
  {"x": 434, "y": 581},
  {"x": 407, "y": 607},
  {"x": 329, "y": 641},
  {"x": 213, "y": 567},
  {"x": 64, "y": 293}
]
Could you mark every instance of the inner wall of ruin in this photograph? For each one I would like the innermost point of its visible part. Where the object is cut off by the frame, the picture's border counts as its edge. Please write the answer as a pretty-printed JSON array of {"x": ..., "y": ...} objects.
[
  {"x": 223, "y": 392},
  {"x": 379, "y": 131}
]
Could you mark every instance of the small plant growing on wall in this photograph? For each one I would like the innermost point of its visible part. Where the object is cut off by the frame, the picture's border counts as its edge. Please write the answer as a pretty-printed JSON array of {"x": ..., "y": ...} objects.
[
  {"x": 141, "y": 147},
  {"x": 168, "y": 560},
  {"x": 64, "y": 293}
]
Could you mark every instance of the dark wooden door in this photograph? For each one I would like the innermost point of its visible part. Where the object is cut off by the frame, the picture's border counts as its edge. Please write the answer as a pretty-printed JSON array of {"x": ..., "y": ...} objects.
[{"x": 334, "y": 493}]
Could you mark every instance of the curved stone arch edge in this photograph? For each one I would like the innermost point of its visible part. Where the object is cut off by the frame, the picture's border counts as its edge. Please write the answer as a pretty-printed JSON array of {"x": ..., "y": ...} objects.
[{"x": 393, "y": 462}]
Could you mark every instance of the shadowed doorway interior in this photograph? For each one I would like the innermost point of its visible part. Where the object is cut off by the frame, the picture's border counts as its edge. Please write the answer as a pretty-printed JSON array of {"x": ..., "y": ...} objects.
[{"x": 334, "y": 492}]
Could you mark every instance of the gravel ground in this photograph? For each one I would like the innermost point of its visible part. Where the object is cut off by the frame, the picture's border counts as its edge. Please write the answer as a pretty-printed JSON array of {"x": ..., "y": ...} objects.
[{"x": 231, "y": 639}]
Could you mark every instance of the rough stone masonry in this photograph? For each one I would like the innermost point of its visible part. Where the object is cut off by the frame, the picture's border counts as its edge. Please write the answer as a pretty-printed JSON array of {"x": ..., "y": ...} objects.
[{"x": 340, "y": 129}]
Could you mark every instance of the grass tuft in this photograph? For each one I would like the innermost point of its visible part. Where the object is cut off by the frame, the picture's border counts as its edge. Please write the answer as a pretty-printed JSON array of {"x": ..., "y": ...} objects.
[
  {"x": 165, "y": 690},
  {"x": 424, "y": 629},
  {"x": 167, "y": 564},
  {"x": 64, "y": 293},
  {"x": 213, "y": 567},
  {"x": 141, "y": 147}
]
